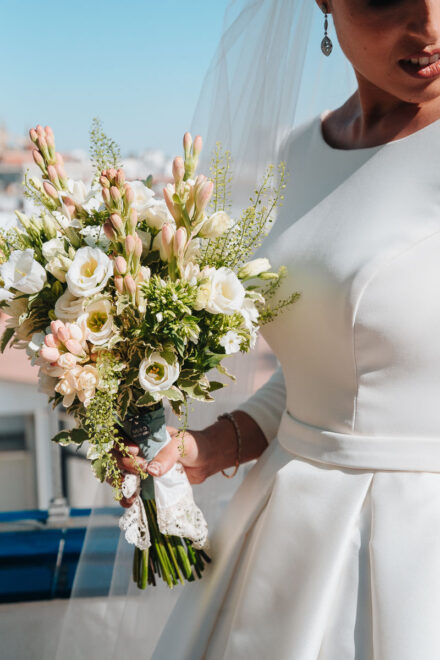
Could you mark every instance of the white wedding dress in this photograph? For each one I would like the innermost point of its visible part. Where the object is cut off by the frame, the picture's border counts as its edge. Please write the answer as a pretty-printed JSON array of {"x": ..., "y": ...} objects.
[{"x": 330, "y": 549}]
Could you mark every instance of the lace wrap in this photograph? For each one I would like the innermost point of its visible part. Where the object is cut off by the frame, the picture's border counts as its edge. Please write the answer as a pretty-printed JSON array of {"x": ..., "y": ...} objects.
[{"x": 177, "y": 513}]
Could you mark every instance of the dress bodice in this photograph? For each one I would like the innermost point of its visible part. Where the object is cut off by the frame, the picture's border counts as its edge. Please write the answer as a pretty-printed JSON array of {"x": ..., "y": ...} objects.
[{"x": 359, "y": 232}]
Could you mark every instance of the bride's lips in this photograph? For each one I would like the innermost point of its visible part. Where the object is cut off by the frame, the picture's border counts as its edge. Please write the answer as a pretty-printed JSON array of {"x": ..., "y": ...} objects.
[{"x": 425, "y": 71}]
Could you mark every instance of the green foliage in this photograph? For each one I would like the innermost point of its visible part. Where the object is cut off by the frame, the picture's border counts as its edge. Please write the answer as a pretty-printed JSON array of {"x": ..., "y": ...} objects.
[
  {"x": 220, "y": 169},
  {"x": 104, "y": 151}
]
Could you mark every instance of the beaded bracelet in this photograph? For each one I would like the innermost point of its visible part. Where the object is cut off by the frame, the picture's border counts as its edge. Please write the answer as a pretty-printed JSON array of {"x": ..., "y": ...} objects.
[{"x": 238, "y": 438}]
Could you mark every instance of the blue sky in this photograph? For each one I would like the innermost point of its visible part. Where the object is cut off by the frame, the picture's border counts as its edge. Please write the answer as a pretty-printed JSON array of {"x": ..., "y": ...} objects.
[{"x": 137, "y": 64}]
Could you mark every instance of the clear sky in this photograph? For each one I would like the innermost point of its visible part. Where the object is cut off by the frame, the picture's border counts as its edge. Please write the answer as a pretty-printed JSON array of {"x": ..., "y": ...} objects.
[{"x": 137, "y": 64}]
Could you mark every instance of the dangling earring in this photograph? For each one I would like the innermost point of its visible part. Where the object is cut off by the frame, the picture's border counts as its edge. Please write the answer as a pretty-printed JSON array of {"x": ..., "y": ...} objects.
[{"x": 326, "y": 43}]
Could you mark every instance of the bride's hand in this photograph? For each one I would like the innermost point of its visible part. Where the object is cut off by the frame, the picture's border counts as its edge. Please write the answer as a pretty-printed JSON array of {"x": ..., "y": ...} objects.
[{"x": 196, "y": 458}]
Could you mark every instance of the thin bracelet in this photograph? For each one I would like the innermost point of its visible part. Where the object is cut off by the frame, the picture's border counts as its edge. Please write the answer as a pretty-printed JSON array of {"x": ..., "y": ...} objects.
[{"x": 231, "y": 418}]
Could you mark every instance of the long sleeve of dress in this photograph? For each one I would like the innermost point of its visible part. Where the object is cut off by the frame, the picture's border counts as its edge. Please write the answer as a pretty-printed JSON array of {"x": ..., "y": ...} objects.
[{"x": 267, "y": 404}]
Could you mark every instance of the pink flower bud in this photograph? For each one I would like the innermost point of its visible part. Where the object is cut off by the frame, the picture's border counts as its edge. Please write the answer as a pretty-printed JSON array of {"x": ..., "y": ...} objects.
[
  {"x": 61, "y": 171},
  {"x": 178, "y": 169},
  {"x": 40, "y": 130},
  {"x": 105, "y": 183},
  {"x": 50, "y": 141},
  {"x": 59, "y": 159},
  {"x": 187, "y": 141},
  {"x": 180, "y": 238},
  {"x": 55, "y": 326},
  {"x": 129, "y": 194},
  {"x": 120, "y": 265},
  {"x": 167, "y": 240},
  {"x": 130, "y": 244},
  {"x": 119, "y": 283},
  {"x": 106, "y": 196},
  {"x": 109, "y": 231},
  {"x": 111, "y": 173},
  {"x": 169, "y": 202},
  {"x": 49, "y": 353},
  {"x": 53, "y": 175},
  {"x": 132, "y": 221},
  {"x": 116, "y": 221},
  {"x": 33, "y": 135},
  {"x": 130, "y": 284},
  {"x": 70, "y": 206},
  {"x": 115, "y": 194},
  {"x": 120, "y": 178},
  {"x": 197, "y": 145},
  {"x": 49, "y": 132},
  {"x": 73, "y": 346},
  {"x": 63, "y": 334},
  {"x": 50, "y": 190},
  {"x": 203, "y": 195},
  {"x": 139, "y": 247},
  {"x": 38, "y": 158},
  {"x": 75, "y": 332},
  {"x": 50, "y": 341}
]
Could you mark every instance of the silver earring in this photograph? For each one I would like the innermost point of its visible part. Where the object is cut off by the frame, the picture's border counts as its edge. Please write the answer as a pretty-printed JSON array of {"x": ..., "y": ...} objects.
[{"x": 326, "y": 43}]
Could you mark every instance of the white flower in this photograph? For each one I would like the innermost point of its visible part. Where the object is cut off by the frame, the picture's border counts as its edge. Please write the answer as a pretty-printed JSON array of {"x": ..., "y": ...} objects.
[
  {"x": 22, "y": 272},
  {"x": 215, "y": 225},
  {"x": 99, "y": 320},
  {"x": 33, "y": 347},
  {"x": 157, "y": 214},
  {"x": 231, "y": 342},
  {"x": 95, "y": 237},
  {"x": 57, "y": 258},
  {"x": 89, "y": 272},
  {"x": 159, "y": 317},
  {"x": 254, "y": 268},
  {"x": 79, "y": 381},
  {"x": 156, "y": 375},
  {"x": 68, "y": 307},
  {"x": 90, "y": 200},
  {"x": 192, "y": 251},
  {"x": 5, "y": 294},
  {"x": 227, "y": 293},
  {"x": 249, "y": 313},
  {"x": 191, "y": 273},
  {"x": 143, "y": 198}
]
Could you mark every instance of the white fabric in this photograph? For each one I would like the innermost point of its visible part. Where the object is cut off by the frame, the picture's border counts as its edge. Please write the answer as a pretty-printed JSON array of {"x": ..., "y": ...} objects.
[{"x": 330, "y": 548}]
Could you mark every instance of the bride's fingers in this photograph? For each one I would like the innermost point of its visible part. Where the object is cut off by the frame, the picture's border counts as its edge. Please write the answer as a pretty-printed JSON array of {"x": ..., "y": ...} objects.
[{"x": 164, "y": 460}]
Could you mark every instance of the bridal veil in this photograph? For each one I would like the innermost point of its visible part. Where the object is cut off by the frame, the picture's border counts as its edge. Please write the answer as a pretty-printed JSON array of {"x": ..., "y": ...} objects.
[{"x": 267, "y": 75}]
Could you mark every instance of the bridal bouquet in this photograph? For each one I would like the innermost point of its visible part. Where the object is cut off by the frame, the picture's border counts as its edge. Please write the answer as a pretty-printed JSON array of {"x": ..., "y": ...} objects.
[{"x": 126, "y": 301}]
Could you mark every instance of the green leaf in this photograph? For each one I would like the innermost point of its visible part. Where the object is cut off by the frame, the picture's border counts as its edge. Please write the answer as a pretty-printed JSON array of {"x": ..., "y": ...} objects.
[
  {"x": 131, "y": 376},
  {"x": 6, "y": 337},
  {"x": 213, "y": 360},
  {"x": 173, "y": 394},
  {"x": 215, "y": 385},
  {"x": 99, "y": 468},
  {"x": 222, "y": 369},
  {"x": 125, "y": 402},
  {"x": 196, "y": 392},
  {"x": 70, "y": 436},
  {"x": 169, "y": 356},
  {"x": 147, "y": 399}
]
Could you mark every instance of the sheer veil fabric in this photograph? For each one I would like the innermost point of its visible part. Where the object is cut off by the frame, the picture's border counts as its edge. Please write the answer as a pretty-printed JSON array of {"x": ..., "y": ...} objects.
[{"x": 267, "y": 76}]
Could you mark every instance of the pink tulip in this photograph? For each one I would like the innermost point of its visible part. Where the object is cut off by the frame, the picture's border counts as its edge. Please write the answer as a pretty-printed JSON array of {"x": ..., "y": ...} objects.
[
  {"x": 49, "y": 353},
  {"x": 120, "y": 265}
]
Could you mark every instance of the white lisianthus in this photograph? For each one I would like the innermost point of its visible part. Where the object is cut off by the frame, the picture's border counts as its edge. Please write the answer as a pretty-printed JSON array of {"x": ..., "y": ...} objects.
[
  {"x": 143, "y": 198},
  {"x": 5, "y": 294},
  {"x": 227, "y": 292},
  {"x": 53, "y": 248},
  {"x": 156, "y": 375},
  {"x": 90, "y": 199},
  {"x": 231, "y": 342},
  {"x": 79, "y": 381},
  {"x": 89, "y": 272},
  {"x": 254, "y": 268},
  {"x": 249, "y": 313},
  {"x": 99, "y": 320},
  {"x": 68, "y": 307},
  {"x": 192, "y": 251},
  {"x": 157, "y": 214},
  {"x": 21, "y": 271},
  {"x": 215, "y": 225},
  {"x": 191, "y": 273}
]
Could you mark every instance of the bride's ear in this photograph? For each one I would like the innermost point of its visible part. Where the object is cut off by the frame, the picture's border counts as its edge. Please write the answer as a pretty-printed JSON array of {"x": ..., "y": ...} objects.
[{"x": 324, "y": 6}]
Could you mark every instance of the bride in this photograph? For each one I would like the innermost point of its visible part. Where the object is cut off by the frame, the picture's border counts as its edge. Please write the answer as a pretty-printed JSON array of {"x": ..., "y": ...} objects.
[{"x": 330, "y": 548}]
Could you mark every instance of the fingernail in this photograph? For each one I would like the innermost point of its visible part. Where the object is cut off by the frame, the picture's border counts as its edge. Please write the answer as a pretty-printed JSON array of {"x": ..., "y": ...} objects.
[{"x": 154, "y": 468}]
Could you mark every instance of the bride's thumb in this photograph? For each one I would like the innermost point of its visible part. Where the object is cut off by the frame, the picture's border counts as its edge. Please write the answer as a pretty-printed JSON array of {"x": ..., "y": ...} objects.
[{"x": 163, "y": 461}]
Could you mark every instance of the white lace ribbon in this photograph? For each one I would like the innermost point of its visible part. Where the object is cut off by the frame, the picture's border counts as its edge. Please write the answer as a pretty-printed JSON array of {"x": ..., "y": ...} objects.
[{"x": 177, "y": 513}]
